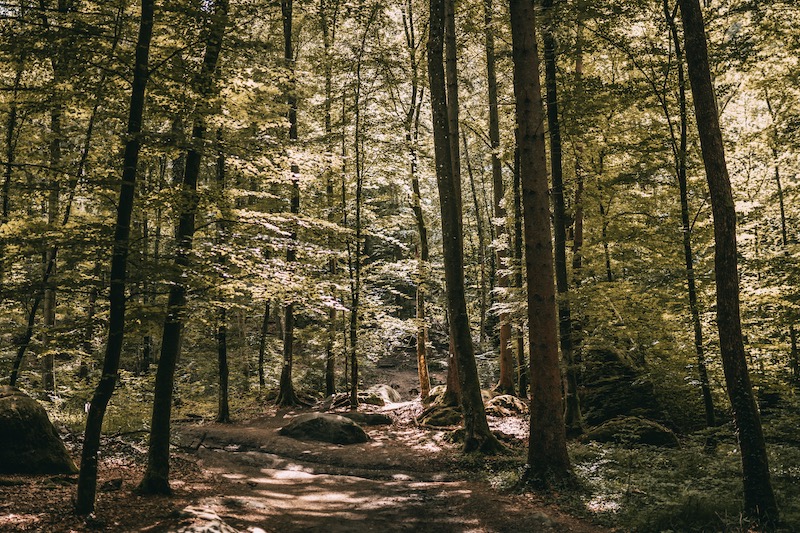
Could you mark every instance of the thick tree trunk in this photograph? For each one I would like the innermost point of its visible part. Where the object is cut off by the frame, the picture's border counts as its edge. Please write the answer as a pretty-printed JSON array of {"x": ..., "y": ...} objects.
[
  {"x": 572, "y": 412},
  {"x": 759, "y": 499},
  {"x": 478, "y": 436},
  {"x": 547, "y": 454},
  {"x": 156, "y": 476},
  {"x": 87, "y": 479}
]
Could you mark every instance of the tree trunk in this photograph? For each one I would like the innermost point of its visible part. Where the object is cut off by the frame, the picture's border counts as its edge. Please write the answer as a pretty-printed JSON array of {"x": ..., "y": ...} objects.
[
  {"x": 523, "y": 370},
  {"x": 478, "y": 436},
  {"x": 482, "y": 289},
  {"x": 547, "y": 454},
  {"x": 223, "y": 411},
  {"x": 688, "y": 255},
  {"x": 759, "y": 499},
  {"x": 572, "y": 412},
  {"x": 262, "y": 346},
  {"x": 286, "y": 394},
  {"x": 87, "y": 479},
  {"x": 156, "y": 476}
]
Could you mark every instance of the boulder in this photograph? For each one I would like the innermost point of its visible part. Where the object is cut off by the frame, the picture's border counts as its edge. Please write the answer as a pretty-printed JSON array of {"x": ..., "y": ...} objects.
[
  {"x": 506, "y": 405},
  {"x": 633, "y": 430},
  {"x": 324, "y": 427},
  {"x": 386, "y": 393},
  {"x": 435, "y": 393},
  {"x": 441, "y": 416},
  {"x": 368, "y": 419},
  {"x": 29, "y": 444}
]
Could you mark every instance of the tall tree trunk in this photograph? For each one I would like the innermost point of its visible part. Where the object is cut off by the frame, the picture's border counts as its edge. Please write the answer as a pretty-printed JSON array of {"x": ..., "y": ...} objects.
[
  {"x": 572, "y": 411},
  {"x": 506, "y": 356},
  {"x": 688, "y": 255},
  {"x": 156, "y": 476},
  {"x": 478, "y": 436},
  {"x": 577, "y": 228},
  {"x": 49, "y": 307},
  {"x": 286, "y": 394},
  {"x": 547, "y": 454},
  {"x": 262, "y": 346},
  {"x": 223, "y": 411},
  {"x": 482, "y": 289},
  {"x": 423, "y": 254},
  {"x": 759, "y": 499},
  {"x": 87, "y": 479},
  {"x": 523, "y": 370}
]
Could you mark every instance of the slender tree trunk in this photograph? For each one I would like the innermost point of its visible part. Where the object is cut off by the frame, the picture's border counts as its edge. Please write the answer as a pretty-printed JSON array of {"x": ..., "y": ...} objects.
[
  {"x": 286, "y": 394},
  {"x": 523, "y": 370},
  {"x": 547, "y": 454},
  {"x": 572, "y": 412},
  {"x": 223, "y": 411},
  {"x": 577, "y": 228},
  {"x": 478, "y": 436},
  {"x": 688, "y": 254},
  {"x": 759, "y": 499},
  {"x": 482, "y": 290},
  {"x": 156, "y": 476},
  {"x": 87, "y": 479},
  {"x": 262, "y": 346}
]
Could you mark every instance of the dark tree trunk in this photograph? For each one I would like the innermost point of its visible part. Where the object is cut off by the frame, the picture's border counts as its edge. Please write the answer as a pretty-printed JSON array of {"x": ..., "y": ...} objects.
[
  {"x": 478, "y": 436},
  {"x": 156, "y": 476},
  {"x": 547, "y": 454},
  {"x": 506, "y": 371},
  {"x": 759, "y": 499},
  {"x": 262, "y": 346},
  {"x": 286, "y": 394},
  {"x": 688, "y": 255},
  {"x": 223, "y": 411},
  {"x": 87, "y": 479},
  {"x": 523, "y": 370},
  {"x": 572, "y": 412}
]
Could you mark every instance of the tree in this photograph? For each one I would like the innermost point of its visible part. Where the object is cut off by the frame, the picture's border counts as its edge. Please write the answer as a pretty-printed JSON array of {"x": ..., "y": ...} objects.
[
  {"x": 87, "y": 479},
  {"x": 759, "y": 499},
  {"x": 478, "y": 436},
  {"x": 547, "y": 454},
  {"x": 156, "y": 476}
]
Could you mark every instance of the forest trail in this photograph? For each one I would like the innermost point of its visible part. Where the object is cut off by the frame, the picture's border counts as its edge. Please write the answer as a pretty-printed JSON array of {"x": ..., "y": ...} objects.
[{"x": 405, "y": 479}]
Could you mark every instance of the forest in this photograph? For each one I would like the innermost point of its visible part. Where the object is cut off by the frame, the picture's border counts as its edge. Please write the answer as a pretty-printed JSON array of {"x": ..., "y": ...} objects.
[{"x": 357, "y": 265}]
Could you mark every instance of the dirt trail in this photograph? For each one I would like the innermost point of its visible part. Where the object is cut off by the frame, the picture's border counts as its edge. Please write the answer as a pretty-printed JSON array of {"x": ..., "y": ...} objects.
[{"x": 404, "y": 479}]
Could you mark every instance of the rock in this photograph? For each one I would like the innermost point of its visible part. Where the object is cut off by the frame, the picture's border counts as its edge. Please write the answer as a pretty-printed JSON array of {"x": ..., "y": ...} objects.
[
  {"x": 368, "y": 419},
  {"x": 488, "y": 394},
  {"x": 612, "y": 386},
  {"x": 506, "y": 405},
  {"x": 200, "y": 520},
  {"x": 324, "y": 427},
  {"x": 29, "y": 444},
  {"x": 386, "y": 393},
  {"x": 633, "y": 430},
  {"x": 441, "y": 416},
  {"x": 435, "y": 393}
]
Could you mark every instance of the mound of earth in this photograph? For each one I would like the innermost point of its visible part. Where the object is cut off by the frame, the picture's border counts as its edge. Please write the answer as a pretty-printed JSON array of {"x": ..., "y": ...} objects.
[
  {"x": 324, "y": 427},
  {"x": 634, "y": 430},
  {"x": 506, "y": 405},
  {"x": 29, "y": 444}
]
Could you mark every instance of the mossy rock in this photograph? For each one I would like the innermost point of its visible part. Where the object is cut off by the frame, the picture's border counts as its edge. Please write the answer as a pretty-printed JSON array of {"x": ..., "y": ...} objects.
[
  {"x": 434, "y": 395},
  {"x": 368, "y": 419},
  {"x": 439, "y": 416},
  {"x": 506, "y": 405},
  {"x": 386, "y": 393},
  {"x": 633, "y": 430},
  {"x": 29, "y": 444},
  {"x": 324, "y": 427}
]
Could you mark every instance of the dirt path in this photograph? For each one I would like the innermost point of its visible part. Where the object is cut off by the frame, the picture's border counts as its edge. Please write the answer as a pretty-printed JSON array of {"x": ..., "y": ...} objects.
[{"x": 404, "y": 479}]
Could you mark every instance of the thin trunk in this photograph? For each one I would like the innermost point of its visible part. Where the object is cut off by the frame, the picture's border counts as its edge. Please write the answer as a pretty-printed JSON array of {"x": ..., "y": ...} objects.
[
  {"x": 759, "y": 499},
  {"x": 156, "y": 476},
  {"x": 482, "y": 290},
  {"x": 547, "y": 454},
  {"x": 688, "y": 254},
  {"x": 87, "y": 479},
  {"x": 478, "y": 437},
  {"x": 572, "y": 408},
  {"x": 49, "y": 304},
  {"x": 223, "y": 411},
  {"x": 262, "y": 346},
  {"x": 577, "y": 228},
  {"x": 286, "y": 394},
  {"x": 523, "y": 370}
]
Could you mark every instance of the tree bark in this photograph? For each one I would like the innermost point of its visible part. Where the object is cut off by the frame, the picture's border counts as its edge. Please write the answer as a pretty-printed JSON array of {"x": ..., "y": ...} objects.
[
  {"x": 87, "y": 479},
  {"x": 478, "y": 437},
  {"x": 523, "y": 370},
  {"x": 759, "y": 499},
  {"x": 156, "y": 476},
  {"x": 547, "y": 454},
  {"x": 572, "y": 412},
  {"x": 223, "y": 410}
]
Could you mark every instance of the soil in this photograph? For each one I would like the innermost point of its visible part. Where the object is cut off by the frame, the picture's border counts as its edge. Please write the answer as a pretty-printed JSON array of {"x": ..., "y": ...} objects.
[{"x": 246, "y": 477}]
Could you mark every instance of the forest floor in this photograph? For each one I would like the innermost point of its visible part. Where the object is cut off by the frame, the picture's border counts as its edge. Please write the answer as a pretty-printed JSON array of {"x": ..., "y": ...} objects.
[{"x": 247, "y": 477}]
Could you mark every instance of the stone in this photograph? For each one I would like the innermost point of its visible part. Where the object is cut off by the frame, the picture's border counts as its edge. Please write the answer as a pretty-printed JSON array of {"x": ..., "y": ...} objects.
[
  {"x": 368, "y": 419},
  {"x": 438, "y": 416},
  {"x": 506, "y": 405},
  {"x": 633, "y": 430},
  {"x": 386, "y": 393},
  {"x": 324, "y": 427},
  {"x": 29, "y": 444},
  {"x": 435, "y": 393}
]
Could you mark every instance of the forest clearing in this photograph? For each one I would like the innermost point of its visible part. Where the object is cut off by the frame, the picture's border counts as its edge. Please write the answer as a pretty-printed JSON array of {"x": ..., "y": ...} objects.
[{"x": 356, "y": 265}]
